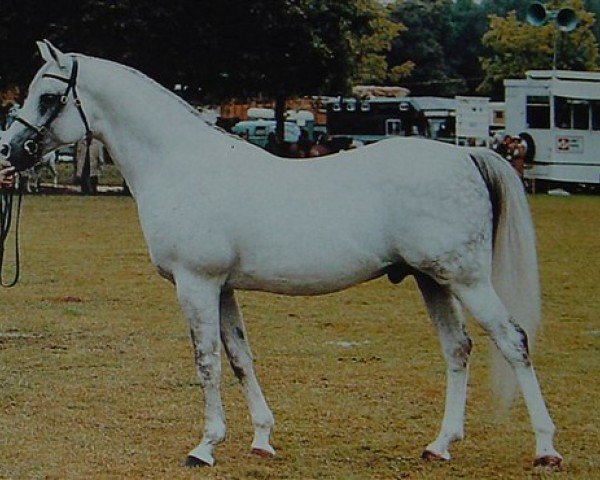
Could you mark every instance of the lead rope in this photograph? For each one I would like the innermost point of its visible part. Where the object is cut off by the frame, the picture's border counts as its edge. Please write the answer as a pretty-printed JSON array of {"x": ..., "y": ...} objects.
[{"x": 7, "y": 209}]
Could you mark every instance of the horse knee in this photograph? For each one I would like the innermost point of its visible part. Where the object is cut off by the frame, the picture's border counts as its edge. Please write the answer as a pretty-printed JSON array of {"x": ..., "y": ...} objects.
[
  {"x": 492, "y": 315},
  {"x": 208, "y": 362}
]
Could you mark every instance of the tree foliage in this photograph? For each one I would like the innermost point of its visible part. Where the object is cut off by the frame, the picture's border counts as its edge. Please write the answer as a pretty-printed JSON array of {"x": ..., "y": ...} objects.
[
  {"x": 282, "y": 48},
  {"x": 218, "y": 49},
  {"x": 462, "y": 45},
  {"x": 371, "y": 50},
  {"x": 226, "y": 47},
  {"x": 517, "y": 47},
  {"x": 423, "y": 43},
  {"x": 593, "y": 6},
  {"x": 501, "y": 8}
]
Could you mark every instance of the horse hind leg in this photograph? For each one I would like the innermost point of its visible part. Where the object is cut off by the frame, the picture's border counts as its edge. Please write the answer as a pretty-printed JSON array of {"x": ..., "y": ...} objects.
[
  {"x": 446, "y": 314},
  {"x": 31, "y": 181},
  {"x": 233, "y": 335},
  {"x": 489, "y": 311}
]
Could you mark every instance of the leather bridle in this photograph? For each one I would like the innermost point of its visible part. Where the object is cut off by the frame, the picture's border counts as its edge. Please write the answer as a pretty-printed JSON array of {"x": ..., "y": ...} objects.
[{"x": 33, "y": 146}]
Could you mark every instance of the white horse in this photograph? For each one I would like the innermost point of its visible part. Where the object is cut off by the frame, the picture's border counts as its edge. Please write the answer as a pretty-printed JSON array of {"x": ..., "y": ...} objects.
[
  {"x": 456, "y": 219},
  {"x": 34, "y": 174}
]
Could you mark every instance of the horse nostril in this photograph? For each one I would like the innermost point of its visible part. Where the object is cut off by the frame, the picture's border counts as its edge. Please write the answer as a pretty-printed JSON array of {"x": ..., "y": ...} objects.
[
  {"x": 31, "y": 147},
  {"x": 5, "y": 150}
]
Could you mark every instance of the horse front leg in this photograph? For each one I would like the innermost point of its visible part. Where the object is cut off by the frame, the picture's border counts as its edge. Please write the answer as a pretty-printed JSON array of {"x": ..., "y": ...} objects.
[
  {"x": 446, "y": 314},
  {"x": 54, "y": 175},
  {"x": 199, "y": 299},
  {"x": 233, "y": 334}
]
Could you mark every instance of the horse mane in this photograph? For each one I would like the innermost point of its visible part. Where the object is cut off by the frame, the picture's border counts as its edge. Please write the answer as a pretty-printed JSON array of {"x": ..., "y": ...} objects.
[{"x": 163, "y": 90}]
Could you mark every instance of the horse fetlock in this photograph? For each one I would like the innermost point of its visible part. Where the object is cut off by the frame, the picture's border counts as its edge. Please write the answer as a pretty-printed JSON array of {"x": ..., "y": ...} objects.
[
  {"x": 263, "y": 420},
  {"x": 546, "y": 430},
  {"x": 214, "y": 433},
  {"x": 544, "y": 445}
]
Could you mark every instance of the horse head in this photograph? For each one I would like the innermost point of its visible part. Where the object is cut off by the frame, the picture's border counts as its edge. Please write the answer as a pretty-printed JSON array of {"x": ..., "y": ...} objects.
[{"x": 52, "y": 114}]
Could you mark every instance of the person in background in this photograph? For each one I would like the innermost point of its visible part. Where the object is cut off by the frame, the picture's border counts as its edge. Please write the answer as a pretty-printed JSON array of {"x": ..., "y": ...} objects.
[
  {"x": 273, "y": 144},
  {"x": 503, "y": 148},
  {"x": 518, "y": 148},
  {"x": 304, "y": 144},
  {"x": 86, "y": 174}
]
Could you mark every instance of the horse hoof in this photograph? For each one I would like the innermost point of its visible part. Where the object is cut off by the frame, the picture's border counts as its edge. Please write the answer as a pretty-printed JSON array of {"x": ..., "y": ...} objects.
[
  {"x": 259, "y": 452},
  {"x": 550, "y": 462},
  {"x": 429, "y": 456},
  {"x": 193, "y": 462}
]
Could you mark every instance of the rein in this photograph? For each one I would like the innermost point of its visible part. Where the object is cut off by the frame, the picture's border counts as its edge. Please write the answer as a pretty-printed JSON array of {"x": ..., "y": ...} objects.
[
  {"x": 7, "y": 211},
  {"x": 33, "y": 147}
]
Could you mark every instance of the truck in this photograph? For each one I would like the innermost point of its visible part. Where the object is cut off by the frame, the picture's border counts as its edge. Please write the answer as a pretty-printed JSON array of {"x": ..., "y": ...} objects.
[
  {"x": 557, "y": 115},
  {"x": 373, "y": 119}
]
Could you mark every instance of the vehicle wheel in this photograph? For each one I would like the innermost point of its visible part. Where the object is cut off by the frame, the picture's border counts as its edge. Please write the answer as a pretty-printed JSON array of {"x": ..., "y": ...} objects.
[{"x": 530, "y": 153}]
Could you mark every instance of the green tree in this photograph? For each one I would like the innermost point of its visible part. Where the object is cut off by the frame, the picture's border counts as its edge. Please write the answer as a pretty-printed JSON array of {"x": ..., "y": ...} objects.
[
  {"x": 462, "y": 45},
  {"x": 503, "y": 7},
  {"x": 371, "y": 50},
  {"x": 282, "y": 48},
  {"x": 223, "y": 48},
  {"x": 517, "y": 47},
  {"x": 593, "y": 6},
  {"x": 425, "y": 44}
]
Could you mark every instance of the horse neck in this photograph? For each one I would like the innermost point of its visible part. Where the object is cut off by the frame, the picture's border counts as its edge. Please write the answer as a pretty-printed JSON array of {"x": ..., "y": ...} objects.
[{"x": 145, "y": 128}]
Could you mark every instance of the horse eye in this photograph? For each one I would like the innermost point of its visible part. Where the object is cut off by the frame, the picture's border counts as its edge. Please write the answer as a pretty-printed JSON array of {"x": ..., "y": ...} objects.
[{"x": 48, "y": 100}]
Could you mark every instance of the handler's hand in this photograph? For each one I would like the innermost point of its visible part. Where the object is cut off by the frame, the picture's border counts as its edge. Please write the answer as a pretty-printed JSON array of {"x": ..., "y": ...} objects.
[{"x": 7, "y": 177}]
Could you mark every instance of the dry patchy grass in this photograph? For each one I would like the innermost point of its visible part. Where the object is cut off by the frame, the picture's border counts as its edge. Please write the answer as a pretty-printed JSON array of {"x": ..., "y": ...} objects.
[{"x": 96, "y": 375}]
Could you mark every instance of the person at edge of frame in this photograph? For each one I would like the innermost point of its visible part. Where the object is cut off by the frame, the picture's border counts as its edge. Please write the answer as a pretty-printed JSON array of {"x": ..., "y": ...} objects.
[{"x": 7, "y": 177}]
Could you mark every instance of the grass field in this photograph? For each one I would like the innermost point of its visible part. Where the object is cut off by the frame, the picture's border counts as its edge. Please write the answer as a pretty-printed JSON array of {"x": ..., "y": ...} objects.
[
  {"x": 97, "y": 381},
  {"x": 109, "y": 175}
]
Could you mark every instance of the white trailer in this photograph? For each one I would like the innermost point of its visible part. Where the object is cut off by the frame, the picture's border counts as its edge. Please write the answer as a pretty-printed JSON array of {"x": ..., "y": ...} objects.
[
  {"x": 472, "y": 120},
  {"x": 557, "y": 113}
]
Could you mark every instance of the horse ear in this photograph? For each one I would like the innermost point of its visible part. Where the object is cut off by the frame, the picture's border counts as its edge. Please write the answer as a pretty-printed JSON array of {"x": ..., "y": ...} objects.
[{"x": 51, "y": 54}]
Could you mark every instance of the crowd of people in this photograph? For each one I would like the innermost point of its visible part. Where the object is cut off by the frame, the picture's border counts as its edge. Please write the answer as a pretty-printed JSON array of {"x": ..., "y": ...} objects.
[
  {"x": 304, "y": 147},
  {"x": 513, "y": 150}
]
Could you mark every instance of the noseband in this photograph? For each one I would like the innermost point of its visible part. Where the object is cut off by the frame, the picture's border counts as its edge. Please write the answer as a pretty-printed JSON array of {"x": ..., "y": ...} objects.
[{"x": 33, "y": 146}]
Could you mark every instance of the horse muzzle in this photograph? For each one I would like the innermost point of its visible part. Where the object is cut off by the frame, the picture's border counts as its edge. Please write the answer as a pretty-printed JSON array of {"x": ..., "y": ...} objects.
[{"x": 21, "y": 157}]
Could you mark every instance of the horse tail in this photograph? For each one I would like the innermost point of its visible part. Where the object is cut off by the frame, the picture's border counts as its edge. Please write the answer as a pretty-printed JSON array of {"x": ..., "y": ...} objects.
[{"x": 515, "y": 275}]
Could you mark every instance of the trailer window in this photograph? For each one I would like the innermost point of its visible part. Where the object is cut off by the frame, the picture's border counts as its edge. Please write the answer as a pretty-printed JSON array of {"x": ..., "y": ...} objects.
[
  {"x": 581, "y": 116},
  {"x": 573, "y": 114},
  {"x": 538, "y": 112},
  {"x": 595, "y": 115}
]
